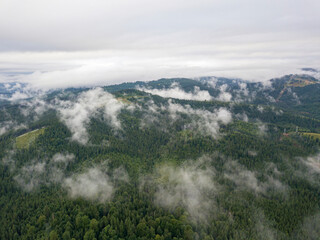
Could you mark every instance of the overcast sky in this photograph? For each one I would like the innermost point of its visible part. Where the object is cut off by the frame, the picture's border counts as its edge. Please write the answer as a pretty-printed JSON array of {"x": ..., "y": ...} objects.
[{"x": 62, "y": 43}]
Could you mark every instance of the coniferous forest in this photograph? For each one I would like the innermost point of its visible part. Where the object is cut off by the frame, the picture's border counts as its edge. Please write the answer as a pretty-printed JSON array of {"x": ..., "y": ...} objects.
[{"x": 207, "y": 158}]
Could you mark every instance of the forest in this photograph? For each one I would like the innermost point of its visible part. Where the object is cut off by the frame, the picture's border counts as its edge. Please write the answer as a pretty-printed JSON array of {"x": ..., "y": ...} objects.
[{"x": 209, "y": 158}]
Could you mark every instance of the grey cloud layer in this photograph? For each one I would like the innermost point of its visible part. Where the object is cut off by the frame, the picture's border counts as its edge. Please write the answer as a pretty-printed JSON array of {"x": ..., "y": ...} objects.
[
  {"x": 103, "y": 42},
  {"x": 91, "y": 21}
]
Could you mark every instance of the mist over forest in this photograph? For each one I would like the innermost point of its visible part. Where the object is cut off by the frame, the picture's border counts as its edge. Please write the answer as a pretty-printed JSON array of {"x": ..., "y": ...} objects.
[
  {"x": 182, "y": 158},
  {"x": 166, "y": 120}
]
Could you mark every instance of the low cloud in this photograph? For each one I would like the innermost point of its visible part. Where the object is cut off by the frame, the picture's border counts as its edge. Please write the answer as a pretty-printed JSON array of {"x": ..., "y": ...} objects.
[
  {"x": 35, "y": 107},
  {"x": 263, "y": 227},
  {"x": 252, "y": 153},
  {"x": 8, "y": 160},
  {"x": 310, "y": 228},
  {"x": 207, "y": 122},
  {"x": 307, "y": 167},
  {"x": 260, "y": 108},
  {"x": 32, "y": 175},
  {"x": 120, "y": 174},
  {"x": 262, "y": 128},
  {"x": 224, "y": 96},
  {"x": 63, "y": 158},
  {"x": 29, "y": 111},
  {"x": 15, "y": 92},
  {"x": 190, "y": 185},
  {"x": 18, "y": 96},
  {"x": 243, "y": 88},
  {"x": 294, "y": 95},
  {"x": 313, "y": 72},
  {"x": 243, "y": 117},
  {"x": 245, "y": 179},
  {"x": 238, "y": 93},
  {"x": 93, "y": 184},
  {"x": 211, "y": 81},
  {"x": 7, "y": 126},
  {"x": 42, "y": 172},
  {"x": 96, "y": 183},
  {"x": 76, "y": 115},
  {"x": 312, "y": 162},
  {"x": 243, "y": 93},
  {"x": 175, "y": 91},
  {"x": 195, "y": 185}
]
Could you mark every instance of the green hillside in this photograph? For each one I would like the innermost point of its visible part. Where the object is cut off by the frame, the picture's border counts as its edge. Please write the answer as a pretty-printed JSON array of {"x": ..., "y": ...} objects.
[
  {"x": 132, "y": 165},
  {"x": 25, "y": 140}
]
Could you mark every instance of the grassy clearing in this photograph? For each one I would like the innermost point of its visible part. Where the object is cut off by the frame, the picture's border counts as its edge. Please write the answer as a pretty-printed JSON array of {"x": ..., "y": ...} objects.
[
  {"x": 25, "y": 140},
  {"x": 315, "y": 135},
  {"x": 123, "y": 100},
  {"x": 298, "y": 82}
]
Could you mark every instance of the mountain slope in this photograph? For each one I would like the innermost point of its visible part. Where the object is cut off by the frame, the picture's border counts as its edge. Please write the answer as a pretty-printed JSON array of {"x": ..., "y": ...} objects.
[{"x": 215, "y": 158}]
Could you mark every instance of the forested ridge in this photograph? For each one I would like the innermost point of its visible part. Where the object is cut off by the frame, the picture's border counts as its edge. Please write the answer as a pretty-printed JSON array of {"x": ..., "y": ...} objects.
[{"x": 131, "y": 162}]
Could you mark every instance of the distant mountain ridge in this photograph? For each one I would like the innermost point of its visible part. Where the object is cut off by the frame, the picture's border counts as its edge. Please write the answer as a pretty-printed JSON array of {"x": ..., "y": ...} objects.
[{"x": 292, "y": 91}]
